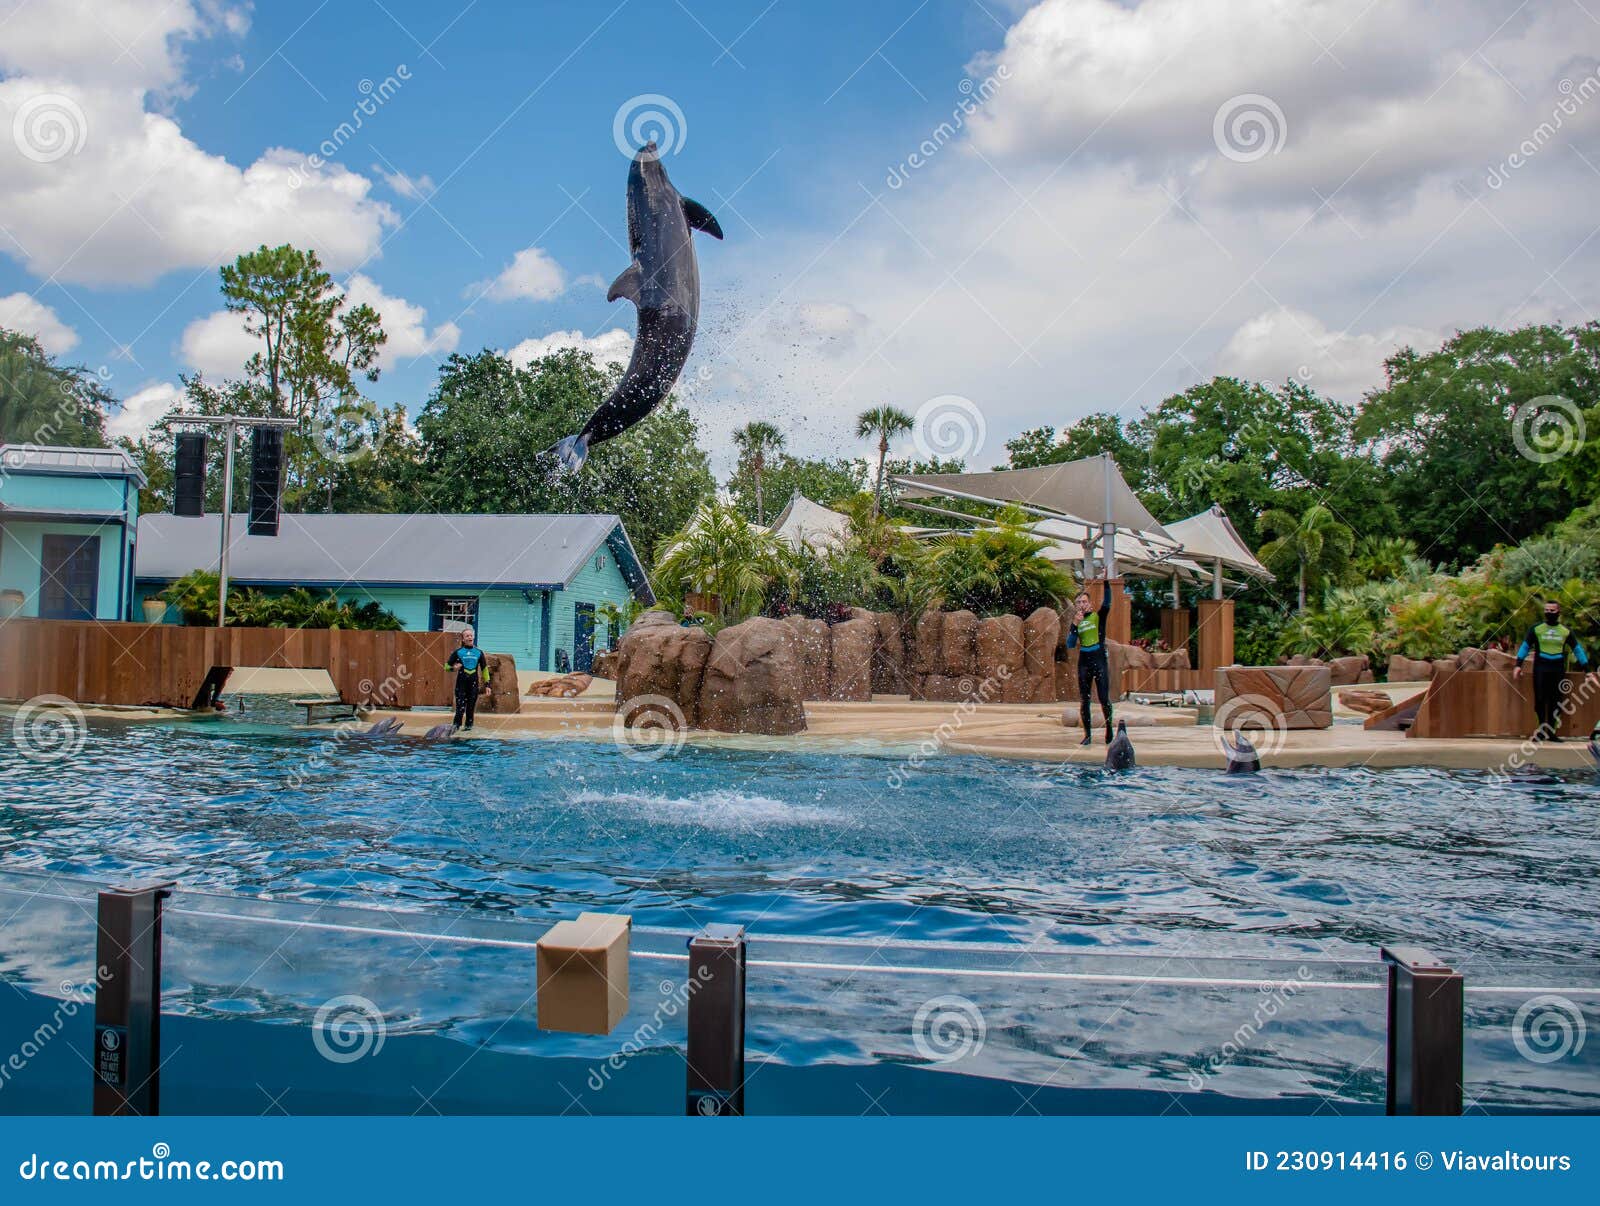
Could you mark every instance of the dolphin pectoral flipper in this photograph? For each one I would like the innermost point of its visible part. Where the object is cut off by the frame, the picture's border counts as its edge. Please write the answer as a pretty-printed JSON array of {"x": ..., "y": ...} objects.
[
  {"x": 627, "y": 284},
  {"x": 701, "y": 218}
]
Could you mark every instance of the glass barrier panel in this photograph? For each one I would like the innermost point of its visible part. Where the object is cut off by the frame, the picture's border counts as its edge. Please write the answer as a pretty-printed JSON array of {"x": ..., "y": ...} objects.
[{"x": 1532, "y": 1039}]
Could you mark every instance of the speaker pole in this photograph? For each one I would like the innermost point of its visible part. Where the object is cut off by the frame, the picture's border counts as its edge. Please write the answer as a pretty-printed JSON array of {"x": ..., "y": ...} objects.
[{"x": 229, "y": 430}]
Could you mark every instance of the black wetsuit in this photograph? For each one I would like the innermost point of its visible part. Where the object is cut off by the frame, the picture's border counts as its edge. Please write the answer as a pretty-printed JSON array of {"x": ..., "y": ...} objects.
[
  {"x": 1089, "y": 635},
  {"x": 472, "y": 671}
]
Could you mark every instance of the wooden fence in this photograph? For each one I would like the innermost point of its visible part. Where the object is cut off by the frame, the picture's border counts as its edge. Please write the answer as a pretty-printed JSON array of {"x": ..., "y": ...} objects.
[
  {"x": 1490, "y": 703},
  {"x": 166, "y": 665}
]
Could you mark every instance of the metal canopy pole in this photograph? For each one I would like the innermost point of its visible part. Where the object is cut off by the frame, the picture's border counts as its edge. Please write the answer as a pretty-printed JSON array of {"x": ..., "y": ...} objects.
[
  {"x": 1216, "y": 578},
  {"x": 1108, "y": 558}
]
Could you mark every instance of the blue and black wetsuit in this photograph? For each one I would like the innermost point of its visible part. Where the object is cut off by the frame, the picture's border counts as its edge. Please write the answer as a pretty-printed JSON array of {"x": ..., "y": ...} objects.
[
  {"x": 472, "y": 672},
  {"x": 1088, "y": 636},
  {"x": 1551, "y": 645}
]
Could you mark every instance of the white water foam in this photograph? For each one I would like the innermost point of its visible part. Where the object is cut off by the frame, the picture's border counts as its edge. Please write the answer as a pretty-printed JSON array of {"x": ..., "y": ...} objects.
[{"x": 720, "y": 809}]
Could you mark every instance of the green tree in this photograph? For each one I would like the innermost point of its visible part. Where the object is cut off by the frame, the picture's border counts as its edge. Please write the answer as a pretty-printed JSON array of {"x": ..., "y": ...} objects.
[
  {"x": 487, "y": 423},
  {"x": 883, "y": 423},
  {"x": 1384, "y": 557},
  {"x": 1445, "y": 420},
  {"x": 822, "y": 480},
  {"x": 756, "y": 441},
  {"x": 722, "y": 557},
  {"x": 45, "y": 403},
  {"x": 1089, "y": 436},
  {"x": 1315, "y": 544}
]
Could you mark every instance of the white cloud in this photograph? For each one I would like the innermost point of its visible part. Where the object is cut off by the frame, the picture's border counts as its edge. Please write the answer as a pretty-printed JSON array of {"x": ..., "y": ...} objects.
[
  {"x": 142, "y": 409},
  {"x": 532, "y": 276},
  {"x": 218, "y": 345},
  {"x": 99, "y": 186},
  {"x": 413, "y": 188},
  {"x": 1370, "y": 100},
  {"x": 613, "y": 346},
  {"x": 1287, "y": 344},
  {"x": 404, "y": 322},
  {"x": 21, "y": 312}
]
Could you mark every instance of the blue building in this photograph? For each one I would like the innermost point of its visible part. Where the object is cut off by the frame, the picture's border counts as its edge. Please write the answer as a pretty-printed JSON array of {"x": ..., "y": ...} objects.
[
  {"x": 532, "y": 585},
  {"x": 68, "y": 526}
]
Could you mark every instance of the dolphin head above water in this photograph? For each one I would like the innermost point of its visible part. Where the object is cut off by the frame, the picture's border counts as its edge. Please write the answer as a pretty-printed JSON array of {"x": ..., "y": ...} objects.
[
  {"x": 1242, "y": 756},
  {"x": 1119, "y": 754}
]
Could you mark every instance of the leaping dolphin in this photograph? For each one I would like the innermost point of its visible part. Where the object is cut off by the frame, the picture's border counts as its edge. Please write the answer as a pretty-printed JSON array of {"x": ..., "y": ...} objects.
[{"x": 663, "y": 281}]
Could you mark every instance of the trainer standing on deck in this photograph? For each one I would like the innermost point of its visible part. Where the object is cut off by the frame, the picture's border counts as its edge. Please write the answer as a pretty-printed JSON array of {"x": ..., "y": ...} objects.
[
  {"x": 1550, "y": 643},
  {"x": 1088, "y": 634},
  {"x": 472, "y": 672}
]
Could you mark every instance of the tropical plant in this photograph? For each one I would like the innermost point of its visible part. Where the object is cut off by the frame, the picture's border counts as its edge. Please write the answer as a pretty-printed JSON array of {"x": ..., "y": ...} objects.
[
  {"x": 1315, "y": 544},
  {"x": 883, "y": 423},
  {"x": 1384, "y": 557},
  {"x": 724, "y": 559},
  {"x": 196, "y": 597},
  {"x": 1334, "y": 632},
  {"x": 994, "y": 571},
  {"x": 1426, "y": 626},
  {"x": 756, "y": 441}
]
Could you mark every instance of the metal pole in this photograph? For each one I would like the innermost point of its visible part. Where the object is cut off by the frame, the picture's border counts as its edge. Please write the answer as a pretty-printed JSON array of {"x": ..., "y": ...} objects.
[
  {"x": 1177, "y": 595},
  {"x": 1425, "y": 1033},
  {"x": 229, "y": 430},
  {"x": 1216, "y": 578},
  {"x": 127, "y": 1000},
  {"x": 1107, "y": 468},
  {"x": 715, "y": 1055}
]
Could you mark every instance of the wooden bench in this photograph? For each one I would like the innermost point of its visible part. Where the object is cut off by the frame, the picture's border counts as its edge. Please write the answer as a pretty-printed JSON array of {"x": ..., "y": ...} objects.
[{"x": 331, "y": 709}]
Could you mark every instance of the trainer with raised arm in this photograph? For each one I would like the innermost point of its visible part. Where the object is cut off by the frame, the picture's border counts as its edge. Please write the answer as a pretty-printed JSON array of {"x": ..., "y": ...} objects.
[
  {"x": 1088, "y": 636},
  {"x": 1550, "y": 643}
]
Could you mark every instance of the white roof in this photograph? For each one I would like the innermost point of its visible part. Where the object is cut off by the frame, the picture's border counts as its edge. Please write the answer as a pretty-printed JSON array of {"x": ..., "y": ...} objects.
[
  {"x": 1211, "y": 536},
  {"x": 806, "y": 522},
  {"x": 45, "y": 458},
  {"x": 1134, "y": 556},
  {"x": 486, "y": 552}
]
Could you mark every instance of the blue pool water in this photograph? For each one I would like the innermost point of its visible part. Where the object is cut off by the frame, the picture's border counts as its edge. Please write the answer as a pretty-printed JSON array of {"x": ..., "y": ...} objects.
[
  {"x": 1102, "y": 941},
  {"x": 819, "y": 843}
]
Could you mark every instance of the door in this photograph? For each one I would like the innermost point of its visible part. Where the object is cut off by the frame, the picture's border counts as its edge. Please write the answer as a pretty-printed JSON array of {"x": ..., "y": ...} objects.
[
  {"x": 583, "y": 637},
  {"x": 69, "y": 577}
]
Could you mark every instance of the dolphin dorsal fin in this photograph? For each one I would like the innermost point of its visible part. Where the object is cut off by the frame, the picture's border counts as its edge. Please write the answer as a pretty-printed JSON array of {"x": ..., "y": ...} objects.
[
  {"x": 701, "y": 218},
  {"x": 627, "y": 284}
]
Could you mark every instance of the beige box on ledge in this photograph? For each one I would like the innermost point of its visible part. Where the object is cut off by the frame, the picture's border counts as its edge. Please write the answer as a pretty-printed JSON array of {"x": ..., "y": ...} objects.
[{"x": 582, "y": 969}]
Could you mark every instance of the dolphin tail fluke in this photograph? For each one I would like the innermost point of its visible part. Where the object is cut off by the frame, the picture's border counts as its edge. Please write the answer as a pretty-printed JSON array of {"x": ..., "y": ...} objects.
[{"x": 572, "y": 451}]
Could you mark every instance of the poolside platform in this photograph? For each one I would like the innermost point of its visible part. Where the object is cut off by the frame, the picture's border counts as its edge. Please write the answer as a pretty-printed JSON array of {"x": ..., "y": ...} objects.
[{"x": 1162, "y": 736}]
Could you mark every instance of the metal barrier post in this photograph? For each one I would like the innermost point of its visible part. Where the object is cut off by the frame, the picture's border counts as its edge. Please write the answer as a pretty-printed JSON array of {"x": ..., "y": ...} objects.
[
  {"x": 1425, "y": 1033},
  {"x": 127, "y": 1000},
  {"x": 715, "y": 1054}
]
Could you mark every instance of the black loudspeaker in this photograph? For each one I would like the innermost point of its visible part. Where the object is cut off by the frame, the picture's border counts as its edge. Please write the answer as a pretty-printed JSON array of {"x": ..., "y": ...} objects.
[
  {"x": 266, "y": 479},
  {"x": 189, "y": 484}
]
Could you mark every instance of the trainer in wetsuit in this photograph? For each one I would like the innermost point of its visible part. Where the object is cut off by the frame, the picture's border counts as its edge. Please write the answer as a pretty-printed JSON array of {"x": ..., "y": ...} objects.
[
  {"x": 1088, "y": 634},
  {"x": 472, "y": 672},
  {"x": 1550, "y": 643}
]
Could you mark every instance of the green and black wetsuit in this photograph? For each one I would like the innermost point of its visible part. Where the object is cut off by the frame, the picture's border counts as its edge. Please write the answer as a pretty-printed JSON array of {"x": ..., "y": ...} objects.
[
  {"x": 1550, "y": 644},
  {"x": 1089, "y": 636}
]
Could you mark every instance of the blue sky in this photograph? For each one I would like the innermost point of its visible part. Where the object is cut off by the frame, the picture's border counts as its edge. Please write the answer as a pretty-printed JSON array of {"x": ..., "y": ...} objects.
[{"x": 1086, "y": 236}]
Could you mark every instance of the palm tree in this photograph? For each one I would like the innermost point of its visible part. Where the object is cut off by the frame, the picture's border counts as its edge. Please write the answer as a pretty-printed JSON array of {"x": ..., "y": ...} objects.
[
  {"x": 1384, "y": 557},
  {"x": 1314, "y": 543},
  {"x": 723, "y": 558},
  {"x": 885, "y": 422},
  {"x": 756, "y": 441}
]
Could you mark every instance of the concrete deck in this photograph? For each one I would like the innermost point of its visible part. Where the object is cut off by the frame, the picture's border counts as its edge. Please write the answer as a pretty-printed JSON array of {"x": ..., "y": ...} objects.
[{"x": 1162, "y": 736}]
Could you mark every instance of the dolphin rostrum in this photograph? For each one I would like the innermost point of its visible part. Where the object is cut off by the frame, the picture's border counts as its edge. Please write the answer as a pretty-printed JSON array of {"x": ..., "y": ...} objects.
[
  {"x": 1119, "y": 754},
  {"x": 663, "y": 281},
  {"x": 1242, "y": 758}
]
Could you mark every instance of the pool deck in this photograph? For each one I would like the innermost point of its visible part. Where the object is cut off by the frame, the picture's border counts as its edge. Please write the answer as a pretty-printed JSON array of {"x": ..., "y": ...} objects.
[{"x": 1162, "y": 736}]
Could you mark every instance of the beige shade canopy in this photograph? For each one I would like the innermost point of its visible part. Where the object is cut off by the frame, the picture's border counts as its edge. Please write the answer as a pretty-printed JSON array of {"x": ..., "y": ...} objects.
[
  {"x": 1078, "y": 489},
  {"x": 1211, "y": 536},
  {"x": 806, "y": 522}
]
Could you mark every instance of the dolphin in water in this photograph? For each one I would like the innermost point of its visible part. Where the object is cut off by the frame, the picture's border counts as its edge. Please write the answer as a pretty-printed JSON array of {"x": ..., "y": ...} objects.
[
  {"x": 439, "y": 732},
  {"x": 383, "y": 728},
  {"x": 1242, "y": 757},
  {"x": 1119, "y": 754},
  {"x": 663, "y": 281}
]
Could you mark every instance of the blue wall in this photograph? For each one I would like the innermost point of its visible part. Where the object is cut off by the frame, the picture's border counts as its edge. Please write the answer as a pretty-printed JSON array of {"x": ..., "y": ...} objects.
[{"x": 22, "y": 541}]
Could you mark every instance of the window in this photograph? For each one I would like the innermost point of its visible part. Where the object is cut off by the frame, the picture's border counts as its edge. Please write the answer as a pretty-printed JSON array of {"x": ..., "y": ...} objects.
[{"x": 452, "y": 613}]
